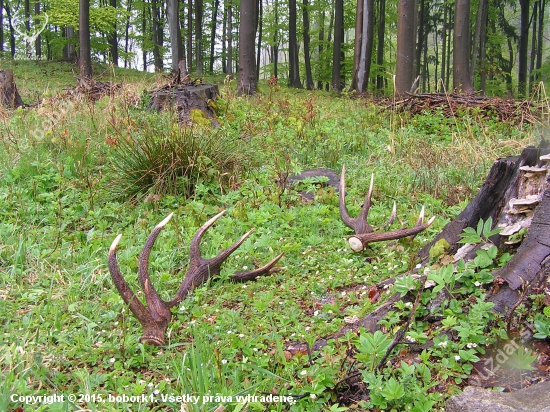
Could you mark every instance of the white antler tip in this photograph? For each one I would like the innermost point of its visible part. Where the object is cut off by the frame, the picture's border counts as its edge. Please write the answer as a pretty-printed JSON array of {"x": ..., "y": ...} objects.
[
  {"x": 115, "y": 243},
  {"x": 165, "y": 221},
  {"x": 431, "y": 220}
]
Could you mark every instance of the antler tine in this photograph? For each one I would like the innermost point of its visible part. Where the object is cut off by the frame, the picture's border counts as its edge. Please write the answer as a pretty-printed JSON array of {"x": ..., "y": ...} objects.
[
  {"x": 156, "y": 305},
  {"x": 194, "y": 248},
  {"x": 359, "y": 242},
  {"x": 153, "y": 334},
  {"x": 253, "y": 274},
  {"x": 358, "y": 224}
]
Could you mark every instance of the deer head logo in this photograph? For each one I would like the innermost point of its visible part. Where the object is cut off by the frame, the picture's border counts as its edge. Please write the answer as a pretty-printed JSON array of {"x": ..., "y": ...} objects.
[{"x": 28, "y": 37}]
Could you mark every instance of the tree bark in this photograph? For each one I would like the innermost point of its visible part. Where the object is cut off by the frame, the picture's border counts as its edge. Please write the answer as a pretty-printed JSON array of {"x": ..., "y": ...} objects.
[
  {"x": 404, "y": 70},
  {"x": 85, "y": 60},
  {"x": 213, "y": 34},
  {"x": 259, "y": 30},
  {"x": 293, "y": 62},
  {"x": 337, "y": 52},
  {"x": 307, "y": 58},
  {"x": 176, "y": 45},
  {"x": 380, "y": 46},
  {"x": 247, "y": 44},
  {"x": 9, "y": 96},
  {"x": 478, "y": 35},
  {"x": 198, "y": 36},
  {"x": 523, "y": 47},
  {"x": 230, "y": 39},
  {"x": 461, "y": 47},
  {"x": 362, "y": 57},
  {"x": 113, "y": 38},
  {"x": 157, "y": 36}
]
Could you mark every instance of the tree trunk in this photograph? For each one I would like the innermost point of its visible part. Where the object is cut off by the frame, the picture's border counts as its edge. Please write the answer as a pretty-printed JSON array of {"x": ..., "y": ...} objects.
[
  {"x": 190, "y": 35},
  {"x": 85, "y": 60},
  {"x": 380, "y": 46},
  {"x": 9, "y": 96},
  {"x": 247, "y": 44},
  {"x": 337, "y": 51},
  {"x": 293, "y": 62},
  {"x": 198, "y": 36},
  {"x": 321, "y": 39},
  {"x": 259, "y": 30},
  {"x": 275, "y": 46},
  {"x": 230, "y": 39},
  {"x": 127, "y": 35},
  {"x": 176, "y": 45},
  {"x": 113, "y": 38},
  {"x": 523, "y": 47},
  {"x": 38, "y": 41},
  {"x": 362, "y": 57},
  {"x": 157, "y": 36},
  {"x": 404, "y": 69},
  {"x": 478, "y": 35},
  {"x": 540, "y": 43},
  {"x": 461, "y": 47},
  {"x": 534, "y": 19},
  {"x": 309, "y": 76},
  {"x": 213, "y": 34}
]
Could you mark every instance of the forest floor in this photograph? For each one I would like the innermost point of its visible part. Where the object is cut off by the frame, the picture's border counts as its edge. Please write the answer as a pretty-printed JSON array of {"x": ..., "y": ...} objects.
[{"x": 77, "y": 172}]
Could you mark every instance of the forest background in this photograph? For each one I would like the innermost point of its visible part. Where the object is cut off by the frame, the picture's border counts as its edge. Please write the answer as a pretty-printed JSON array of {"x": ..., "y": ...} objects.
[{"x": 497, "y": 46}]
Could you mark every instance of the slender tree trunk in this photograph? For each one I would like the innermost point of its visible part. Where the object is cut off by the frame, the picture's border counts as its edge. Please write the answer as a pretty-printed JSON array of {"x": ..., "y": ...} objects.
[
  {"x": 380, "y": 46},
  {"x": 224, "y": 39},
  {"x": 176, "y": 45},
  {"x": 259, "y": 30},
  {"x": 85, "y": 60},
  {"x": 309, "y": 76},
  {"x": 461, "y": 47},
  {"x": 483, "y": 51},
  {"x": 421, "y": 35},
  {"x": 157, "y": 41},
  {"x": 12, "y": 30},
  {"x": 230, "y": 39},
  {"x": 534, "y": 19},
  {"x": 127, "y": 34},
  {"x": 337, "y": 52},
  {"x": 213, "y": 34},
  {"x": 113, "y": 38},
  {"x": 27, "y": 7},
  {"x": 143, "y": 31},
  {"x": 198, "y": 36},
  {"x": 404, "y": 70},
  {"x": 540, "y": 43},
  {"x": 364, "y": 29},
  {"x": 321, "y": 40},
  {"x": 275, "y": 47},
  {"x": 247, "y": 44},
  {"x": 444, "y": 34},
  {"x": 523, "y": 47},
  {"x": 38, "y": 41},
  {"x": 190, "y": 35},
  {"x": 2, "y": 26},
  {"x": 293, "y": 62},
  {"x": 481, "y": 7}
]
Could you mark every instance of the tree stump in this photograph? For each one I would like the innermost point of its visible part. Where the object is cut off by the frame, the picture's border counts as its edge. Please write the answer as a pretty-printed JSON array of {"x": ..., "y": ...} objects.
[
  {"x": 8, "y": 90},
  {"x": 186, "y": 98}
]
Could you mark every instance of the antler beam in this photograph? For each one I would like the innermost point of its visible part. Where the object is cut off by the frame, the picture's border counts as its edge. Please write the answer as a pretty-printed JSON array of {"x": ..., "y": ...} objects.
[
  {"x": 364, "y": 233},
  {"x": 156, "y": 316}
]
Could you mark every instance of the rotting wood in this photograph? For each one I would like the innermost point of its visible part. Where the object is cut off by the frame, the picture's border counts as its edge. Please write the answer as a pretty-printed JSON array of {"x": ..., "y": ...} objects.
[{"x": 509, "y": 110}]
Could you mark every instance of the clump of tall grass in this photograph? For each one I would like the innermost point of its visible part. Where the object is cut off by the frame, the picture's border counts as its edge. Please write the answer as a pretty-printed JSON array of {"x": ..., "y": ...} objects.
[{"x": 173, "y": 160}]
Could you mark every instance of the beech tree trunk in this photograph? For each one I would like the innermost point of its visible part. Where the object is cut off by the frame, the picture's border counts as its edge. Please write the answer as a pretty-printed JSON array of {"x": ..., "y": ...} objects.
[
  {"x": 406, "y": 30},
  {"x": 176, "y": 45},
  {"x": 337, "y": 52},
  {"x": 461, "y": 47},
  {"x": 364, "y": 29},
  {"x": 85, "y": 57},
  {"x": 293, "y": 62},
  {"x": 247, "y": 45}
]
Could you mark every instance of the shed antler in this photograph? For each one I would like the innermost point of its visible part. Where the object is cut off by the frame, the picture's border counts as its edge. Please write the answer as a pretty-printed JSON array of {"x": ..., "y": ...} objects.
[
  {"x": 364, "y": 233},
  {"x": 156, "y": 316}
]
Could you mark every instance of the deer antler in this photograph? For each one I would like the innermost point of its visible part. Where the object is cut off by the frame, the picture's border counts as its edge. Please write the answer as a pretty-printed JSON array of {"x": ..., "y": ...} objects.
[
  {"x": 364, "y": 233},
  {"x": 156, "y": 316}
]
